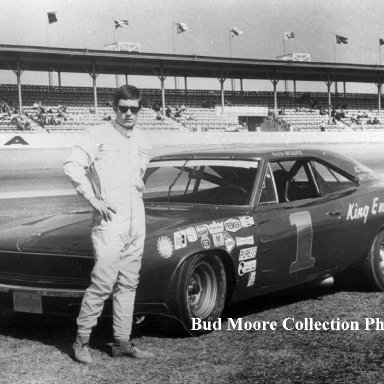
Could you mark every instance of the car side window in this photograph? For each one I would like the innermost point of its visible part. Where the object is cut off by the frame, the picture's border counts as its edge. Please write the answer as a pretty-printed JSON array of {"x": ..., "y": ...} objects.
[
  {"x": 294, "y": 180},
  {"x": 331, "y": 180}
]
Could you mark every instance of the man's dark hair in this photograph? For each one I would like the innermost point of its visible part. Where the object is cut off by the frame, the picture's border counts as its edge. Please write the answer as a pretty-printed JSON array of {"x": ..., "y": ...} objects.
[{"x": 126, "y": 92}]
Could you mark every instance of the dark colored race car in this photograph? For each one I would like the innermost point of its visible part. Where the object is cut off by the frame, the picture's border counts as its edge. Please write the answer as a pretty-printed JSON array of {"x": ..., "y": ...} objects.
[{"x": 222, "y": 226}]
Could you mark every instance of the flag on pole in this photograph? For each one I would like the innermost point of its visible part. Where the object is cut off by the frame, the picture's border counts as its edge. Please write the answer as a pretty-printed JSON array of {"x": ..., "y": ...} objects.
[
  {"x": 120, "y": 23},
  {"x": 51, "y": 17},
  {"x": 181, "y": 27},
  {"x": 289, "y": 35},
  {"x": 341, "y": 39},
  {"x": 235, "y": 31},
  {"x": 381, "y": 41}
]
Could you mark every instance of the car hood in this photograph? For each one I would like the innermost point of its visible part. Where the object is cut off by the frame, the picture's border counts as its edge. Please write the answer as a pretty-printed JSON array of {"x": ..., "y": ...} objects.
[{"x": 69, "y": 233}]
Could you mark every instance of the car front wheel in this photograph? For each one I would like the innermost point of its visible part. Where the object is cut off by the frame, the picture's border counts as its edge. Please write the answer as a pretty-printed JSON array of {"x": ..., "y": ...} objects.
[{"x": 199, "y": 291}]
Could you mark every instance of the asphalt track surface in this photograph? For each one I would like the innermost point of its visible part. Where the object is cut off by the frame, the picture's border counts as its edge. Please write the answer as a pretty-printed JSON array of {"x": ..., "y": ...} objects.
[{"x": 32, "y": 182}]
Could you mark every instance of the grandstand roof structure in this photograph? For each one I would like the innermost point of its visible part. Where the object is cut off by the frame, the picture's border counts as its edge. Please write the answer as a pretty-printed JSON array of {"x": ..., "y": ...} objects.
[{"x": 33, "y": 58}]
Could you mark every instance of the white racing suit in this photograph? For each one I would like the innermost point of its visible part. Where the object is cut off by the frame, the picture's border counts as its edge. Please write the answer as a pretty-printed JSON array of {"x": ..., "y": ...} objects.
[{"x": 117, "y": 164}]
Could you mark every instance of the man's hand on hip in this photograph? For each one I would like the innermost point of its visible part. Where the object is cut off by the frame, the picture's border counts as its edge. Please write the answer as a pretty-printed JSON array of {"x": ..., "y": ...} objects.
[{"x": 103, "y": 207}]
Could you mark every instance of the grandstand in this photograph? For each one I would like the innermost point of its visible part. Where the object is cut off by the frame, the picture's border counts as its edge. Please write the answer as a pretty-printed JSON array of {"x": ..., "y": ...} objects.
[
  {"x": 299, "y": 112},
  {"x": 204, "y": 110}
]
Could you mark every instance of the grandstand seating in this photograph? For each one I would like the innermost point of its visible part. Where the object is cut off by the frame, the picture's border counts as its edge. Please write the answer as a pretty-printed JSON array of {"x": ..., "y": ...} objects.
[{"x": 200, "y": 116}]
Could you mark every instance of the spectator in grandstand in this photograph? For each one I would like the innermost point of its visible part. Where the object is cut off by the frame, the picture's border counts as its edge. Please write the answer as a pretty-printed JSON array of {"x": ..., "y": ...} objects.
[
  {"x": 107, "y": 117},
  {"x": 61, "y": 109},
  {"x": 159, "y": 116},
  {"x": 323, "y": 112},
  {"x": 21, "y": 121},
  {"x": 189, "y": 117},
  {"x": 4, "y": 106},
  {"x": 244, "y": 124},
  {"x": 117, "y": 156},
  {"x": 41, "y": 107},
  {"x": 156, "y": 107},
  {"x": 168, "y": 111},
  {"x": 376, "y": 121}
]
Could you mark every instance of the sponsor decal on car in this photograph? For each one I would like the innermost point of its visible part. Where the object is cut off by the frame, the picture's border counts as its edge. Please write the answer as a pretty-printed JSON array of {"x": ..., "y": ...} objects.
[
  {"x": 366, "y": 176},
  {"x": 232, "y": 225},
  {"x": 249, "y": 240},
  {"x": 191, "y": 234},
  {"x": 215, "y": 227},
  {"x": 202, "y": 230},
  {"x": 205, "y": 242},
  {"x": 251, "y": 279},
  {"x": 180, "y": 239},
  {"x": 247, "y": 253},
  {"x": 356, "y": 211},
  {"x": 246, "y": 267},
  {"x": 218, "y": 239},
  {"x": 165, "y": 247},
  {"x": 361, "y": 169},
  {"x": 247, "y": 221},
  {"x": 364, "y": 173},
  {"x": 229, "y": 241}
]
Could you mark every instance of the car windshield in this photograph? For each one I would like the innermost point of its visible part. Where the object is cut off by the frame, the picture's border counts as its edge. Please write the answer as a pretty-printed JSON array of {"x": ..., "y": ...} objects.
[{"x": 221, "y": 182}]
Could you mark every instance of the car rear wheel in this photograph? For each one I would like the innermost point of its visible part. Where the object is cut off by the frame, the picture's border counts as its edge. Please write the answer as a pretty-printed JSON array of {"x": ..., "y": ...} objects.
[
  {"x": 373, "y": 266},
  {"x": 199, "y": 291}
]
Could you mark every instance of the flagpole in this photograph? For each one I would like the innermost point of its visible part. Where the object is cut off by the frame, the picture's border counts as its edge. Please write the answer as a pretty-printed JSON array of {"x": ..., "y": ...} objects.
[
  {"x": 49, "y": 71},
  {"x": 379, "y": 53},
  {"x": 114, "y": 47},
  {"x": 334, "y": 60},
  {"x": 174, "y": 47},
  {"x": 284, "y": 49},
  {"x": 334, "y": 50},
  {"x": 113, "y": 31},
  {"x": 230, "y": 54}
]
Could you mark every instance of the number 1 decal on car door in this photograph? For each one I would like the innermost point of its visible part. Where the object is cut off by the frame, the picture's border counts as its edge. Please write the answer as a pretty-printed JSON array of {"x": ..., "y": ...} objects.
[{"x": 303, "y": 223}]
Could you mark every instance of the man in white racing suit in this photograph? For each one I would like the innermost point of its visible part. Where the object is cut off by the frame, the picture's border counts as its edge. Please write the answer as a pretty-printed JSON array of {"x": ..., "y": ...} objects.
[{"x": 116, "y": 156}]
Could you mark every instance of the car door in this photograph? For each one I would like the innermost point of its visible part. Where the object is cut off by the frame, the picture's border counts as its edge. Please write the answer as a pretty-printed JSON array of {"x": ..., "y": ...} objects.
[
  {"x": 337, "y": 185},
  {"x": 295, "y": 226}
]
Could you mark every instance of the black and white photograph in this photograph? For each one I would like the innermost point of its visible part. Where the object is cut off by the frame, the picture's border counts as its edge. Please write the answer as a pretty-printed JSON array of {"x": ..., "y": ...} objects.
[{"x": 191, "y": 191}]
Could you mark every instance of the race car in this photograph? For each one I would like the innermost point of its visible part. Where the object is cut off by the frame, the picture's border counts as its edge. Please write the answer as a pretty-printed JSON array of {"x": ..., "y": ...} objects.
[{"x": 223, "y": 225}]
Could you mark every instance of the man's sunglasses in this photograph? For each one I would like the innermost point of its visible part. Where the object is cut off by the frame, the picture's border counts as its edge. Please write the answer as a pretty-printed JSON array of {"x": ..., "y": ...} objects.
[{"x": 124, "y": 109}]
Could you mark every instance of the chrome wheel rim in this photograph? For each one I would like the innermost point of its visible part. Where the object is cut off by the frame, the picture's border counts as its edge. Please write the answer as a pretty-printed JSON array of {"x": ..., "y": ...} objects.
[
  {"x": 381, "y": 257},
  {"x": 202, "y": 291}
]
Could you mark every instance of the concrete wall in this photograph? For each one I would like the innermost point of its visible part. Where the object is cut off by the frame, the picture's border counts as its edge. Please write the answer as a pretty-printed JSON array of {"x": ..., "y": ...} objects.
[{"x": 60, "y": 140}]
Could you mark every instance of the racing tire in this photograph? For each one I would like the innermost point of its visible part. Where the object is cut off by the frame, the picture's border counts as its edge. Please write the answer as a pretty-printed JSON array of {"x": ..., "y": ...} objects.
[
  {"x": 367, "y": 275},
  {"x": 373, "y": 265},
  {"x": 198, "y": 291}
]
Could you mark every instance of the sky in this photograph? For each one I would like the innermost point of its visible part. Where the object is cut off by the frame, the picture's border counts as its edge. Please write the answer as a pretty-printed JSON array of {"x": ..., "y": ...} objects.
[{"x": 89, "y": 24}]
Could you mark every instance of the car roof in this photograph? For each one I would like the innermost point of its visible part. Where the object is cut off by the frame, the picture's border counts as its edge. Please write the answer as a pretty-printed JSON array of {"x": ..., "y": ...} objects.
[
  {"x": 276, "y": 152},
  {"x": 255, "y": 153}
]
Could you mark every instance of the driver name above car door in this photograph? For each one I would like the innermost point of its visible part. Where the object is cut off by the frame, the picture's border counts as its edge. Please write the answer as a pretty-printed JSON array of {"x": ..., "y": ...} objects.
[{"x": 296, "y": 227}]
